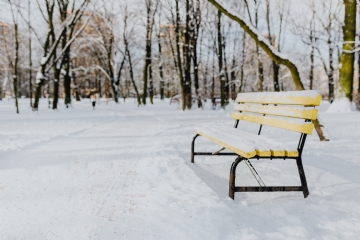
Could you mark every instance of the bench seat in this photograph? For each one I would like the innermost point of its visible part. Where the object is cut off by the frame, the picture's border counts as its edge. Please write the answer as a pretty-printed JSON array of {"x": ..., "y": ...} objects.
[{"x": 246, "y": 144}]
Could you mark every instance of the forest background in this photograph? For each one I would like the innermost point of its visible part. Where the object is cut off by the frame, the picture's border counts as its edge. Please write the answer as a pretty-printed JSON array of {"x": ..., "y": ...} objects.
[{"x": 186, "y": 50}]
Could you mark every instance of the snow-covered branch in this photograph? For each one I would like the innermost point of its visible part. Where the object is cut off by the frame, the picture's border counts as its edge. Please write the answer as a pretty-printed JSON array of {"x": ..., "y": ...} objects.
[{"x": 261, "y": 41}]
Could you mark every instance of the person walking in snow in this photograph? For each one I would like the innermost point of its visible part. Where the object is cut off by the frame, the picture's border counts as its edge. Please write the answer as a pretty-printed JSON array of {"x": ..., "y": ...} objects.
[{"x": 93, "y": 96}]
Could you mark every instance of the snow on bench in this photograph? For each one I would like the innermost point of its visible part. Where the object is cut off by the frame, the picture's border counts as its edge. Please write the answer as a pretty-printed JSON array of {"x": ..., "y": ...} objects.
[
  {"x": 246, "y": 144},
  {"x": 287, "y": 110}
]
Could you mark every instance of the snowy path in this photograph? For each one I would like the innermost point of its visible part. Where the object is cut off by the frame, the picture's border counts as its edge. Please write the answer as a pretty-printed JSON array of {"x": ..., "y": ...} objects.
[{"x": 122, "y": 172}]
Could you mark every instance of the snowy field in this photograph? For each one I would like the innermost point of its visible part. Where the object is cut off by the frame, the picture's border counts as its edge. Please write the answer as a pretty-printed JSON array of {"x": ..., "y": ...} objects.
[{"x": 123, "y": 172}]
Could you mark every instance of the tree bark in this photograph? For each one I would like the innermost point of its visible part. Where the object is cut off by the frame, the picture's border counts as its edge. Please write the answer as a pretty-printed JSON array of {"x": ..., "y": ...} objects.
[
  {"x": 220, "y": 61},
  {"x": 67, "y": 78},
  {"x": 30, "y": 57},
  {"x": 178, "y": 46},
  {"x": 358, "y": 90},
  {"x": 213, "y": 79},
  {"x": 260, "y": 66},
  {"x": 226, "y": 74},
  {"x": 16, "y": 60},
  {"x": 233, "y": 78},
  {"x": 187, "y": 53},
  {"x": 312, "y": 54},
  {"x": 161, "y": 71},
  {"x": 347, "y": 59},
  {"x": 331, "y": 71},
  {"x": 242, "y": 63},
  {"x": 274, "y": 65},
  {"x": 127, "y": 52},
  {"x": 147, "y": 72},
  {"x": 195, "y": 57}
]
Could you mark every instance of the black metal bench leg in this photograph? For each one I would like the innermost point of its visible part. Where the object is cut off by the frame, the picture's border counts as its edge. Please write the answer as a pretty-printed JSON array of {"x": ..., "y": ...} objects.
[
  {"x": 193, "y": 148},
  {"x": 232, "y": 177},
  {"x": 302, "y": 177}
]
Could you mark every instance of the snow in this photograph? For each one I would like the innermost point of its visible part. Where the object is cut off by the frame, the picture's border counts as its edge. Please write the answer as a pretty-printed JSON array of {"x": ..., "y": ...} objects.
[
  {"x": 39, "y": 77},
  {"x": 341, "y": 105},
  {"x": 43, "y": 60},
  {"x": 123, "y": 172},
  {"x": 305, "y": 93}
]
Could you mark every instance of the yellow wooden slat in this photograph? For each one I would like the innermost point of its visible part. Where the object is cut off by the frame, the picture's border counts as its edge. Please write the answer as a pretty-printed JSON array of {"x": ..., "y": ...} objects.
[
  {"x": 262, "y": 148},
  {"x": 292, "y": 153},
  {"x": 275, "y": 122},
  {"x": 228, "y": 146},
  {"x": 275, "y": 150},
  {"x": 263, "y": 153},
  {"x": 305, "y": 98},
  {"x": 294, "y": 112}
]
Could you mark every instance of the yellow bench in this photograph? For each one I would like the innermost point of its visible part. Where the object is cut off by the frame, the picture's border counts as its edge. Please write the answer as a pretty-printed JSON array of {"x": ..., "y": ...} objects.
[{"x": 293, "y": 111}]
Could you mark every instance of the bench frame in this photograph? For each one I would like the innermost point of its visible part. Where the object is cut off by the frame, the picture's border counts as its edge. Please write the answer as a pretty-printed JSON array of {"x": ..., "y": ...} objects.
[{"x": 232, "y": 188}]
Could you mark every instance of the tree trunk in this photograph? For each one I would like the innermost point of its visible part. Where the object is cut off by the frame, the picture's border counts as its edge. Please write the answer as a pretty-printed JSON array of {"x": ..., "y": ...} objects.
[
  {"x": 358, "y": 90},
  {"x": 220, "y": 61},
  {"x": 67, "y": 78},
  {"x": 195, "y": 57},
  {"x": 38, "y": 85},
  {"x": 276, "y": 69},
  {"x": 260, "y": 69},
  {"x": 311, "y": 77},
  {"x": 213, "y": 80},
  {"x": 226, "y": 74},
  {"x": 147, "y": 66},
  {"x": 77, "y": 94},
  {"x": 40, "y": 76},
  {"x": 161, "y": 71},
  {"x": 57, "y": 69},
  {"x": 233, "y": 77},
  {"x": 274, "y": 65},
  {"x": 16, "y": 60},
  {"x": 347, "y": 59},
  {"x": 57, "y": 72},
  {"x": 242, "y": 63},
  {"x": 187, "y": 53},
  {"x": 331, "y": 71},
  {"x": 178, "y": 46},
  {"x": 30, "y": 57},
  {"x": 132, "y": 73},
  {"x": 118, "y": 78}
]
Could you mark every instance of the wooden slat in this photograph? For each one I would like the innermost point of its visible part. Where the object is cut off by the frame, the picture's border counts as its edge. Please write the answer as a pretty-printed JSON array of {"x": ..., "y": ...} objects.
[
  {"x": 305, "y": 98},
  {"x": 275, "y": 122},
  {"x": 262, "y": 149},
  {"x": 228, "y": 146},
  {"x": 273, "y": 147},
  {"x": 294, "y": 112},
  {"x": 260, "y": 145},
  {"x": 276, "y": 151}
]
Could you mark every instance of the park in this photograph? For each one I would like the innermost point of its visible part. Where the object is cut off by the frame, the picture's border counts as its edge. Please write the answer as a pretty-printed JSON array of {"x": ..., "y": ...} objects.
[{"x": 179, "y": 119}]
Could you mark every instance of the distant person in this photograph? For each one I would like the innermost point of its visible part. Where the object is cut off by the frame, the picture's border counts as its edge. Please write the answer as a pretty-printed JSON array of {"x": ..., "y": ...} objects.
[
  {"x": 213, "y": 101},
  {"x": 93, "y": 97}
]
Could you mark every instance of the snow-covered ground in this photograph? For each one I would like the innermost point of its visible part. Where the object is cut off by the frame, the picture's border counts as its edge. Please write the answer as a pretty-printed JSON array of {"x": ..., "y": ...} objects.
[{"x": 123, "y": 172}]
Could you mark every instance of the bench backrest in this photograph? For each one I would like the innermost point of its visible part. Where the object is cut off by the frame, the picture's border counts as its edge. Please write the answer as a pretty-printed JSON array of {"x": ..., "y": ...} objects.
[{"x": 255, "y": 107}]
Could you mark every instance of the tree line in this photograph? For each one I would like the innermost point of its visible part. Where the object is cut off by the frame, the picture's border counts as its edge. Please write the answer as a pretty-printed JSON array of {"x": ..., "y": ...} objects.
[{"x": 191, "y": 50}]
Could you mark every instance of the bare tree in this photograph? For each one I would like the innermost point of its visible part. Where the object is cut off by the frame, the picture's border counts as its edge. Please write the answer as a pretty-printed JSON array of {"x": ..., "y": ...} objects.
[
  {"x": 147, "y": 72},
  {"x": 50, "y": 45},
  {"x": 13, "y": 62}
]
